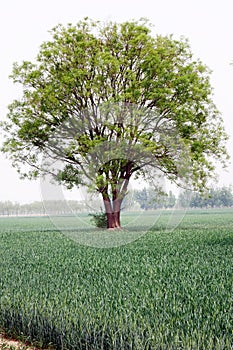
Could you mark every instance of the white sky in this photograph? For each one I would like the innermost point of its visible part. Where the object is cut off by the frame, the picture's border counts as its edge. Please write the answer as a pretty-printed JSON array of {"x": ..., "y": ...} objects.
[{"x": 24, "y": 25}]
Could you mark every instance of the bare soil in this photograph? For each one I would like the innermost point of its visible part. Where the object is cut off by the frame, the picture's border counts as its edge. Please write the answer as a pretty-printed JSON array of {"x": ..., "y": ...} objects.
[{"x": 12, "y": 344}]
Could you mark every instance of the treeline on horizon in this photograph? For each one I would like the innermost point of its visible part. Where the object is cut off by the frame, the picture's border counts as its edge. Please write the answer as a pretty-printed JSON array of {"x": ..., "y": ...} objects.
[
  {"x": 213, "y": 198},
  {"x": 144, "y": 199}
]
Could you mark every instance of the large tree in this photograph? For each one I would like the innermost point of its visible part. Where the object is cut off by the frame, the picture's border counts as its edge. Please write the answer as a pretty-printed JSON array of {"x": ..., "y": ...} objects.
[{"x": 109, "y": 101}]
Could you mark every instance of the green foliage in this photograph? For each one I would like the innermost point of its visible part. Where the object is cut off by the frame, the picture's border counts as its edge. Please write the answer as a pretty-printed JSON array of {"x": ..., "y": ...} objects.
[
  {"x": 99, "y": 219},
  {"x": 164, "y": 291},
  {"x": 78, "y": 90}
]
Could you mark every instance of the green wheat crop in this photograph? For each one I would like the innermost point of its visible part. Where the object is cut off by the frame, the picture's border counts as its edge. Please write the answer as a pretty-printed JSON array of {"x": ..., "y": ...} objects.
[{"x": 166, "y": 290}]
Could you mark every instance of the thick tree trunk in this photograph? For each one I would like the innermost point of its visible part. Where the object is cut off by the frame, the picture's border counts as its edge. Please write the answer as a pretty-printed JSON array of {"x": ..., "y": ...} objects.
[
  {"x": 113, "y": 221},
  {"x": 113, "y": 213}
]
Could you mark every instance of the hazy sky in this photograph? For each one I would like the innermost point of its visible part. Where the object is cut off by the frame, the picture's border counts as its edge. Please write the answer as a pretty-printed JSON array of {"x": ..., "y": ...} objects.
[{"x": 208, "y": 24}]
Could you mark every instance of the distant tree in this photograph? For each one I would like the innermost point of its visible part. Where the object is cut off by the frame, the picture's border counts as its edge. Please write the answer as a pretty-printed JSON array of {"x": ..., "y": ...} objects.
[
  {"x": 227, "y": 193},
  {"x": 184, "y": 198},
  {"x": 110, "y": 101},
  {"x": 170, "y": 200},
  {"x": 9, "y": 208},
  {"x": 198, "y": 201},
  {"x": 142, "y": 198},
  {"x": 214, "y": 197},
  {"x": 149, "y": 198}
]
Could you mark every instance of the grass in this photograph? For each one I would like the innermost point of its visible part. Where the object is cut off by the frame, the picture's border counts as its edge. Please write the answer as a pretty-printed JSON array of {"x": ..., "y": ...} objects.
[{"x": 165, "y": 290}]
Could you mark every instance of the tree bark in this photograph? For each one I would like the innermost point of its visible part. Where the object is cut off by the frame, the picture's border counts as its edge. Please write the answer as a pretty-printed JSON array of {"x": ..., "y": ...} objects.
[
  {"x": 117, "y": 212},
  {"x": 113, "y": 211},
  {"x": 113, "y": 220}
]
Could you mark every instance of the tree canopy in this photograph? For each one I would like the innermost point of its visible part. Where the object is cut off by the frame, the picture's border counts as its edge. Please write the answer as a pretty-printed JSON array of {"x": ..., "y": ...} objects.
[{"x": 110, "y": 101}]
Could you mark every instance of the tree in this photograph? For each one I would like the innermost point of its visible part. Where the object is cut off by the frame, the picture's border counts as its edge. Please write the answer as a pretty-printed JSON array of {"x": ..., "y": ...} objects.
[
  {"x": 170, "y": 200},
  {"x": 226, "y": 196},
  {"x": 108, "y": 102},
  {"x": 213, "y": 197},
  {"x": 142, "y": 197},
  {"x": 150, "y": 198}
]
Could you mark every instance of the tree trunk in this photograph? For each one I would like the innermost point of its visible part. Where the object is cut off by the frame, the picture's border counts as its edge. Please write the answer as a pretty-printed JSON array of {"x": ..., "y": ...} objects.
[
  {"x": 117, "y": 212},
  {"x": 113, "y": 220},
  {"x": 112, "y": 212},
  {"x": 111, "y": 224}
]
